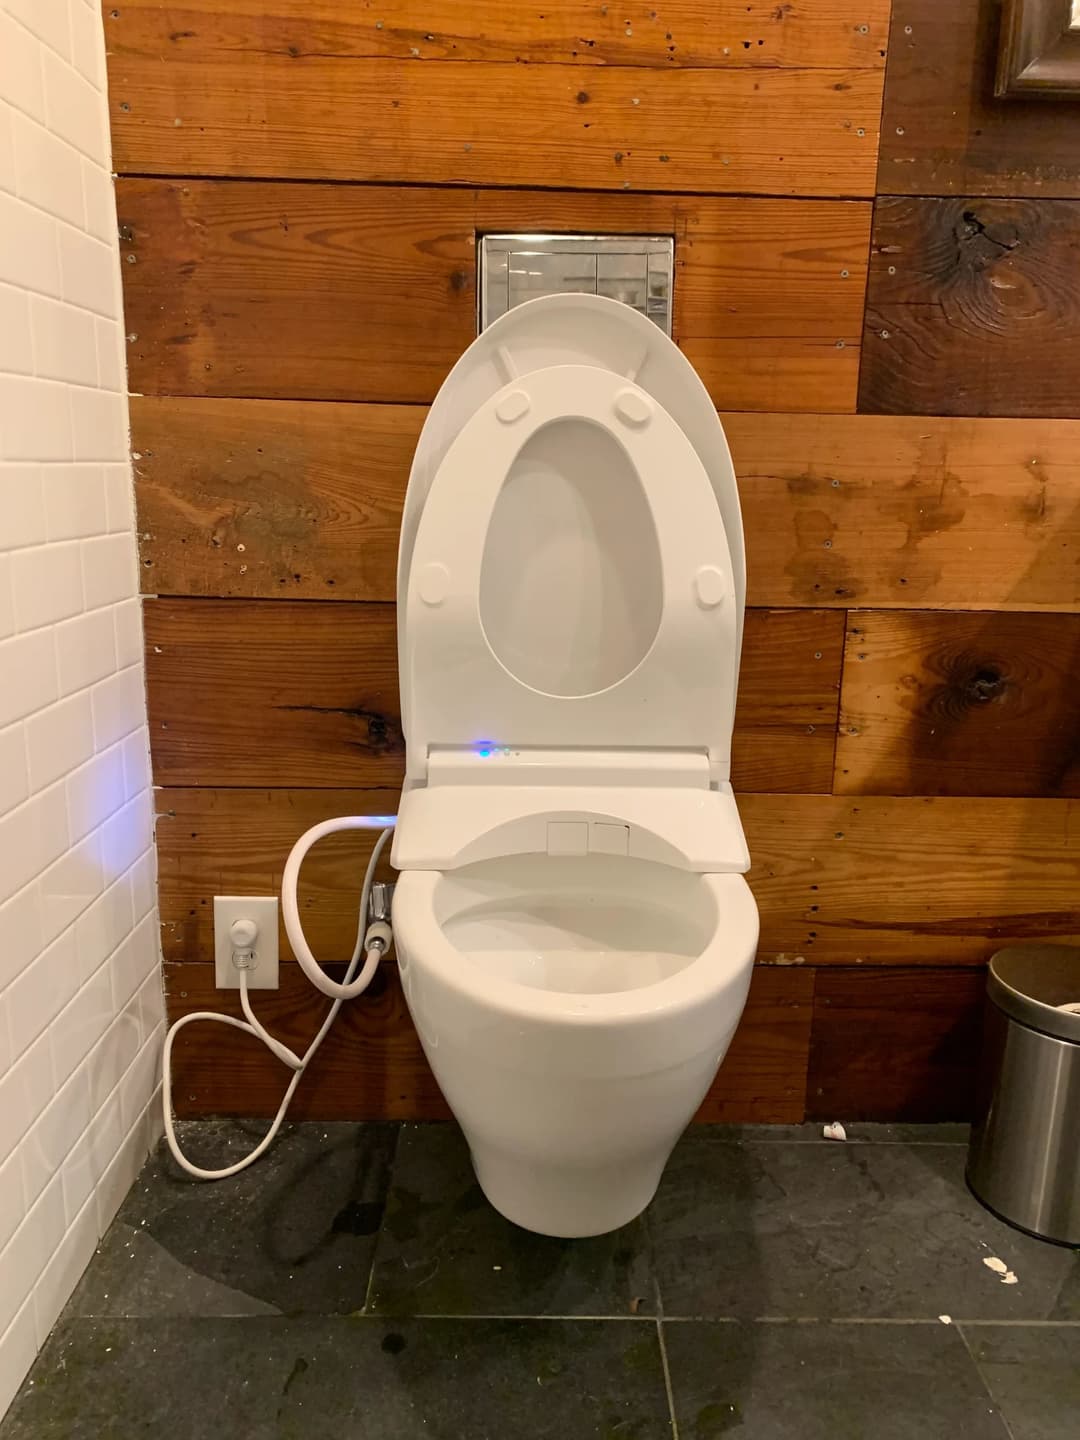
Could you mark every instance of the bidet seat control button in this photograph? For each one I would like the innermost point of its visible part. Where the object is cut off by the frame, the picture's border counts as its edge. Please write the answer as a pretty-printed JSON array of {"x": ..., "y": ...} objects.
[
  {"x": 607, "y": 839},
  {"x": 567, "y": 837}
]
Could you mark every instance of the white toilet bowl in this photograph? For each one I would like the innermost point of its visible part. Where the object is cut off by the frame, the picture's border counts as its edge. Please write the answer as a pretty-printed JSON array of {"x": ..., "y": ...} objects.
[
  {"x": 572, "y": 923},
  {"x": 574, "y": 1012}
]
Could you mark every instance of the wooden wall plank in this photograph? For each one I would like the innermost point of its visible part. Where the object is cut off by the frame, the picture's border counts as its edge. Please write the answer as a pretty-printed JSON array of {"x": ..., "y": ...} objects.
[
  {"x": 396, "y": 121},
  {"x": 246, "y": 107},
  {"x": 214, "y": 273},
  {"x": 785, "y": 720},
  {"x": 867, "y": 881},
  {"x": 943, "y": 132},
  {"x": 261, "y": 498},
  {"x": 972, "y": 308},
  {"x": 273, "y": 693},
  {"x": 895, "y": 1044},
  {"x": 303, "y": 693},
  {"x": 839, "y": 510},
  {"x": 388, "y": 282},
  {"x": 762, "y": 1080},
  {"x": 875, "y": 880},
  {"x": 371, "y": 1065},
  {"x": 725, "y": 34},
  {"x": 890, "y": 510},
  {"x": 759, "y": 374},
  {"x": 938, "y": 703}
]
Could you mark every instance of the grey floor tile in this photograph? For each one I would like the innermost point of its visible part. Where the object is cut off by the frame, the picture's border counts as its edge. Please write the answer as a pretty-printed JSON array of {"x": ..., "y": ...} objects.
[
  {"x": 1033, "y": 1374},
  {"x": 294, "y": 1233},
  {"x": 812, "y": 1381},
  {"x": 443, "y": 1250},
  {"x": 279, "y": 1378},
  {"x": 841, "y": 1231}
]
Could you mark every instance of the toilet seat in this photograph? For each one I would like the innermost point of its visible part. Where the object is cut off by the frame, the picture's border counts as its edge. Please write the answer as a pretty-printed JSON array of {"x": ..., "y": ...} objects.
[
  {"x": 717, "y": 915},
  {"x": 464, "y": 694},
  {"x": 550, "y": 491}
]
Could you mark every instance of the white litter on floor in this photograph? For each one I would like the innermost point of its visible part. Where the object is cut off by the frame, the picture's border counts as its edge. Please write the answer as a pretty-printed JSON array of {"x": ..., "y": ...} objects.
[
  {"x": 1008, "y": 1277},
  {"x": 835, "y": 1131}
]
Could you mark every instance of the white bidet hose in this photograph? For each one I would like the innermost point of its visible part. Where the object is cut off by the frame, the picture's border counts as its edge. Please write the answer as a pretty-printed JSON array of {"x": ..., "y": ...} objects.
[
  {"x": 375, "y": 939},
  {"x": 372, "y": 942}
]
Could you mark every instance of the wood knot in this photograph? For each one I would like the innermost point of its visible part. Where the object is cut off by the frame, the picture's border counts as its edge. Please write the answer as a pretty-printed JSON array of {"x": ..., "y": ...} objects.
[
  {"x": 984, "y": 684},
  {"x": 1002, "y": 237}
]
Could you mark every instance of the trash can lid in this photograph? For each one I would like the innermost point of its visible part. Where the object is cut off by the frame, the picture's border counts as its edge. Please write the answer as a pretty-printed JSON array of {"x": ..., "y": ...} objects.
[{"x": 1032, "y": 983}]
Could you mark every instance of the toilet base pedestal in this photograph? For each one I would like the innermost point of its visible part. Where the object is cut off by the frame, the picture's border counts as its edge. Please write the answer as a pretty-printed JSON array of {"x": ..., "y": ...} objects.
[{"x": 571, "y": 1201}]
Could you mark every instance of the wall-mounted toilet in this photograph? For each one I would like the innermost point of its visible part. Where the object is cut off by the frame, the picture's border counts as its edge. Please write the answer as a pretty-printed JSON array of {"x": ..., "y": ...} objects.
[{"x": 574, "y": 931}]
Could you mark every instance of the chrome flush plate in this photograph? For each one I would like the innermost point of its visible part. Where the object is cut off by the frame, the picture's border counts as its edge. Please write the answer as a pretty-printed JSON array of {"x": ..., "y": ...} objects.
[{"x": 636, "y": 269}]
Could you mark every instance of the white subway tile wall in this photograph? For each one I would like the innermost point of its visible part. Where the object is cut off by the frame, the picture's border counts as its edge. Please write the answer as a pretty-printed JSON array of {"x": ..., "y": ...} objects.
[{"x": 81, "y": 1018}]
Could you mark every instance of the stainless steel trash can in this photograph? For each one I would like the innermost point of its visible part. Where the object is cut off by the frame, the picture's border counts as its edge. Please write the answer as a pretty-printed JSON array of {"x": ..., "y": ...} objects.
[{"x": 1024, "y": 1158}]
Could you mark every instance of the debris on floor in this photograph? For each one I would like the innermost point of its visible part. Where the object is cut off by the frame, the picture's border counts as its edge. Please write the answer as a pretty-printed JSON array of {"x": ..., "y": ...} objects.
[
  {"x": 1008, "y": 1277},
  {"x": 835, "y": 1131}
]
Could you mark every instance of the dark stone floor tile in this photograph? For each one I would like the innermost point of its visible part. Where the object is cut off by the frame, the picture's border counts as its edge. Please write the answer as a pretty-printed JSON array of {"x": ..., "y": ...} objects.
[
  {"x": 842, "y": 1231},
  {"x": 443, "y": 1249},
  {"x": 1033, "y": 1374},
  {"x": 294, "y": 1233},
  {"x": 806, "y": 1381},
  {"x": 338, "y": 1378}
]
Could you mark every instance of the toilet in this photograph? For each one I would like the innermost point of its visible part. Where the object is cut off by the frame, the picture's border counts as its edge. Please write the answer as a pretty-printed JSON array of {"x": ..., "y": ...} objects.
[{"x": 573, "y": 926}]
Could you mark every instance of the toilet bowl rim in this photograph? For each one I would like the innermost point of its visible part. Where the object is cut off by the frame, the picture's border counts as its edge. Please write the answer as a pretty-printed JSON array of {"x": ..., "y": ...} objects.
[{"x": 734, "y": 939}]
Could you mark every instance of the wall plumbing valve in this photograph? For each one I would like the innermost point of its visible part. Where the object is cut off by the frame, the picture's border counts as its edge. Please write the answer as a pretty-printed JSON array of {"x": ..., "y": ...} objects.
[
  {"x": 382, "y": 895},
  {"x": 379, "y": 936}
]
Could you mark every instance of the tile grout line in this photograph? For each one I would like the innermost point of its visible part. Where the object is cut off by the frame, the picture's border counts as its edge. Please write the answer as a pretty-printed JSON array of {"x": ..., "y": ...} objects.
[
  {"x": 998, "y": 1411},
  {"x": 96, "y": 1315},
  {"x": 658, "y": 1301},
  {"x": 931, "y": 1320},
  {"x": 507, "y": 1315},
  {"x": 667, "y": 1377},
  {"x": 855, "y": 1143},
  {"x": 1023, "y": 1324}
]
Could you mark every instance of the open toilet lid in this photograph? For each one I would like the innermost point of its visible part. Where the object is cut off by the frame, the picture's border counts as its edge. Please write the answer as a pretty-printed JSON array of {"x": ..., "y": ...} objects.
[
  {"x": 570, "y": 583},
  {"x": 574, "y": 330}
]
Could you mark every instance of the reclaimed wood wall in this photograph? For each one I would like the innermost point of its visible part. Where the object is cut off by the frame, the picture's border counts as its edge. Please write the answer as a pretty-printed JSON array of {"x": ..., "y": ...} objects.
[{"x": 876, "y": 278}]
